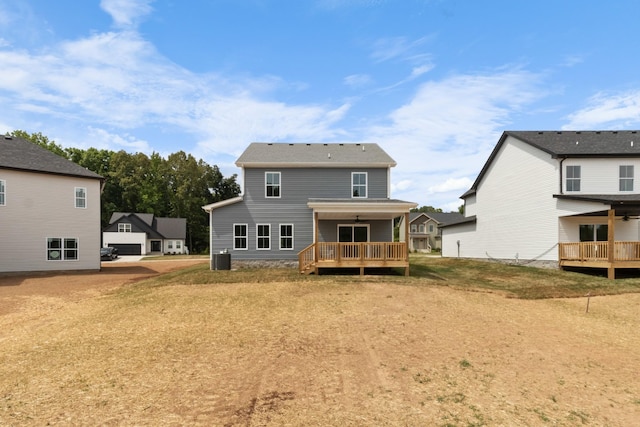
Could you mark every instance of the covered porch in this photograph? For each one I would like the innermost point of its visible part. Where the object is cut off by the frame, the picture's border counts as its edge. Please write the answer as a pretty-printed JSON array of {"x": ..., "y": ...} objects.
[
  {"x": 355, "y": 233},
  {"x": 605, "y": 251}
]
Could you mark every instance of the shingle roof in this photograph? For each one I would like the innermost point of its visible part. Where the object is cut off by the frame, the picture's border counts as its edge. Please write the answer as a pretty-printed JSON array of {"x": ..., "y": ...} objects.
[
  {"x": 583, "y": 143},
  {"x": 439, "y": 217},
  {"x": 560, "y": 144},
  {"x": 172, "y": 228},
  {"x": 167, "y": 228},
  {"x": 20, "y": 154},
  {"x": 260, "y": 154}
]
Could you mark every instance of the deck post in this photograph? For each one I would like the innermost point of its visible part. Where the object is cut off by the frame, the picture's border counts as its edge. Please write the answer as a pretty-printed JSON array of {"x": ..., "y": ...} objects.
[
  {"x": 611, "y": 270},
  {"x": 316, "y": 250},
  {"x": 406, "y": 242}
]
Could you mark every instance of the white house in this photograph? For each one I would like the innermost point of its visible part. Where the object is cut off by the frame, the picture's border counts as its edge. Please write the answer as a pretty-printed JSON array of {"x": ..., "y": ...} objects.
[
  {"x": 565, "y": 196},
  {"x": 49, "y": 210},
  {"x": 425, "y": 229},
  {"x": 145, "y": 234}
]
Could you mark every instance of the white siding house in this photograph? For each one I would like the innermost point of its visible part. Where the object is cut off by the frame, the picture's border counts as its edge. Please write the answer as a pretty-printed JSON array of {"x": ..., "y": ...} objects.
[
  {"x": 49, "y": 211},
  {"x": 539, "y": 192}
]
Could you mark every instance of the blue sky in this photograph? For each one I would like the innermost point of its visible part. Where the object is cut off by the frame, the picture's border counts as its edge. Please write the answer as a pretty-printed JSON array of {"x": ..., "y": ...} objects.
[{"x": 434, "y": 82}]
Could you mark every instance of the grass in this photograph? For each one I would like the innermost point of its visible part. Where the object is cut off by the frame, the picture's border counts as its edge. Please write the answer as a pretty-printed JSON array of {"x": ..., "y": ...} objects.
[{"x": 512, "y": 281}]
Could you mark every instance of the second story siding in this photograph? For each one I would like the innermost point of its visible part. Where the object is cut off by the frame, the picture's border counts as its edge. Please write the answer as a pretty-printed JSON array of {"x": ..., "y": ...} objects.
[
  {"x": 299, "y": 184},
  {"x": 601, "y": 176}
]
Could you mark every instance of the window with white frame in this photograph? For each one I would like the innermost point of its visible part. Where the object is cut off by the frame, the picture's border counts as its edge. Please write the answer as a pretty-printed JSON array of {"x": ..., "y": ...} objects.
[
  {"x": 359, "y": 184},
  {"x": 431, "y": 228},
  {"x": 626, "y": 178},
  {"x": 272, "y": 184},
  {"x": 169, "y": 244},
  {"x": 421, "y": 228},
  {"x": 263, "y": 237},
  {"x": 573, "y": 178},
  {"x": 124, "y": 227},
  {"x": 178, "y": 244},
  {"x": 414, "y": 228},
  {"x": 62, "y": 249},
  {"x": 3, "y": 192},
  {"x": 594, "y": 232},
  {"x": 81, "y": 197},
  {"x": 286, "y": 236},
  {"x": 240, "y": 238}
]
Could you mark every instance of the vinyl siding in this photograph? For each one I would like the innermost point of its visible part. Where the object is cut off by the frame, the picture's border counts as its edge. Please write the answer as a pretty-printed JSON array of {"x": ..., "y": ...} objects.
[
  {"x": 41, "y": 206},
  {"x": 602, "y": 176},
  {"x": 517, "y": 215},
  {"x": 297, "y": 187}
]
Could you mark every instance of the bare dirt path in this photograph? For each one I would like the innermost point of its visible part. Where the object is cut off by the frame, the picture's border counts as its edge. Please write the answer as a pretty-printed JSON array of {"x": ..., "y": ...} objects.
[{"x": 16, "y": 289}]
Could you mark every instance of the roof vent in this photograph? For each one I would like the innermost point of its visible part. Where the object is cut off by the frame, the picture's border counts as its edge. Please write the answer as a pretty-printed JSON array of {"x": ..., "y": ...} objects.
[
  {"x": 632, "y": 143},
  {"x": 8, "y": 136},
  {"x": 329, "y": 155},
  {"x": 577, "y": 142},
  {"x": 363, "y": 148}
]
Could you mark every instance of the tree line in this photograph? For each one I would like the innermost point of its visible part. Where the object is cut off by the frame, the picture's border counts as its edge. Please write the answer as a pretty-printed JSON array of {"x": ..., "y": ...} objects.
[{"x": 176, "y": 187}]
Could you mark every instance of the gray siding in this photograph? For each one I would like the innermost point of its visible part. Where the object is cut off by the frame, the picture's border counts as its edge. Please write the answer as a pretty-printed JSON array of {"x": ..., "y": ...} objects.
[{"x": 297, "y": 186}]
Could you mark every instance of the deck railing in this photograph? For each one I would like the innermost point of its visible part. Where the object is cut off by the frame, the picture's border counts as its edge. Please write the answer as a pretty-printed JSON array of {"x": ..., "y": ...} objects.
[
  {"x": 362, "y": 253},
  {"x": 599, "y": 251}
]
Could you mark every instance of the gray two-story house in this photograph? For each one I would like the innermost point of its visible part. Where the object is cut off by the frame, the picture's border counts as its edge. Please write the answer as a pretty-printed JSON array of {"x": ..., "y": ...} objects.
[{"x": 326, "y": 205}]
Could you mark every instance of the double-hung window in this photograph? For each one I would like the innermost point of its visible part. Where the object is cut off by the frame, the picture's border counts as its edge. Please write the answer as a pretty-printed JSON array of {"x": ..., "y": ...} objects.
[
  {"x": 263, "y": 237},
  {"x": 3, "y": 192},
  {"x": 626, "y": 178},
  {"x": 286, "y": 236},
  {"x": 240, "y": 237},
  {"x": 272, "y": 184},
  {"x": 359, "y": 184},
  {"x": 62, "y": 249},
  {"x": 124, "y": 227},
  {"x": 573, "y": 178},
  {"x": 81, "y": 197}
]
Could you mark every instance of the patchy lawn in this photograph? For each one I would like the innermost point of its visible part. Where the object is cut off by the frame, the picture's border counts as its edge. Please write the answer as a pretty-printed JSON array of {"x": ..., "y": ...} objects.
[{"x": 458, "y": 343}]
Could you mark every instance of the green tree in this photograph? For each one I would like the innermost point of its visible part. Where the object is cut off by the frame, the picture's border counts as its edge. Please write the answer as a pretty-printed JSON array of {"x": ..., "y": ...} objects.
[{"x": 41, "y": 140}]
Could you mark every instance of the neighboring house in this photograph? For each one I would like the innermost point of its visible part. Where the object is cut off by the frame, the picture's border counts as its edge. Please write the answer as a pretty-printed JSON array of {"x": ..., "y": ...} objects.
[
  {"x": 325, "y": 205},
  {"x": 49, "y": 210},
  {"x": 145, "y": 234},
  {"x": 563, "y": 196},
  {"x": 424, "y": 229}
]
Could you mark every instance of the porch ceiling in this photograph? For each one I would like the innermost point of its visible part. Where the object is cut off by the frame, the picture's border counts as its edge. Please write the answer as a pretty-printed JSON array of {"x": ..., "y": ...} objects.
[{"x": 363, "y": 210}]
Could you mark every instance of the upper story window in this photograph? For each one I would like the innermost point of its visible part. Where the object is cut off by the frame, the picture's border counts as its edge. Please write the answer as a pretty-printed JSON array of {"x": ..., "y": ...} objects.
[
  {"x": 272, "y": 184},
  {"x": 124, "y": 227},
  {"x": 431, "y": 228},
  {"x": 81, "y": 197},
  {"x": 240, "y": 236},
  {"x": 573, "y": 178},
  {"x": 421, "y": 228},
  {"x": 626, "y": 178},
  {"x": 414, "y": 228},
  {"x": 3, "y": 192},
  {"x": 359, "y": 184}
]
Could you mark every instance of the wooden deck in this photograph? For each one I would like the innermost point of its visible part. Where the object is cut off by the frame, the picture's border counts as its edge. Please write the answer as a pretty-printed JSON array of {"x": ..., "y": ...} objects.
[
  {"x": 353, "y": 255},
  {"x": 598, "y": 255}
]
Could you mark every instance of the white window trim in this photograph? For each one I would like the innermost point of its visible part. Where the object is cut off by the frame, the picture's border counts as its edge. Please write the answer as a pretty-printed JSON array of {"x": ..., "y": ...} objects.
[
  {"x": 76, "y": 198},
  {"x": 62, "y": 249},
  {"x": 123, "y": 226},
  {"x": 246, "y": 237},
  {"x": 566, "y": 179},
  {"x": 366, "y": 185},
  {"x": 353, "y": 225},
  {"x": 258, "y": 237},
  {"x": 289, "y": 237},
  {"x": 622, "y": 179},
  {"x": 3, "y": 192},
  {"x": 279, "y": 184}
]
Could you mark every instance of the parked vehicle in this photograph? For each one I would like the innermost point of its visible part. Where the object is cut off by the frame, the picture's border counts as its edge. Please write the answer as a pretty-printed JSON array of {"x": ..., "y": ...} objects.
[{"x": 108, "y": 254}]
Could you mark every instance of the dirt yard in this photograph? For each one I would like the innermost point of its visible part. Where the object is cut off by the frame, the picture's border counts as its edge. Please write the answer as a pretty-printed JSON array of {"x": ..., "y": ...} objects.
[{"x": 73, "y": 352}]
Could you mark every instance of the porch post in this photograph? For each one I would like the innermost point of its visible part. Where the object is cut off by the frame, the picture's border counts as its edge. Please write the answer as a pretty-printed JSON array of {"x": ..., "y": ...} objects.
[
  {"x": 611, "y": 271},
  {"x": 316, "y": 250},
  {"x": 406, "y": 242}
]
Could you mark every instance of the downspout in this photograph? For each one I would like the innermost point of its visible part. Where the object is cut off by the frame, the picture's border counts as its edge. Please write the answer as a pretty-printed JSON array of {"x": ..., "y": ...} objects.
[{"x": 561, "y": 175}]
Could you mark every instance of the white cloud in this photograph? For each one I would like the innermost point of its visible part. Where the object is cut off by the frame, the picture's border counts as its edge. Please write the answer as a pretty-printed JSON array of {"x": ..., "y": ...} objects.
[
  {"x": 449, "y": 128},
  {"x": 607, "y": 112},
  {"x": 403, "y": 48},
  {"x": 358, "y": 80},
  {"x": 126, "y": 13}
]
